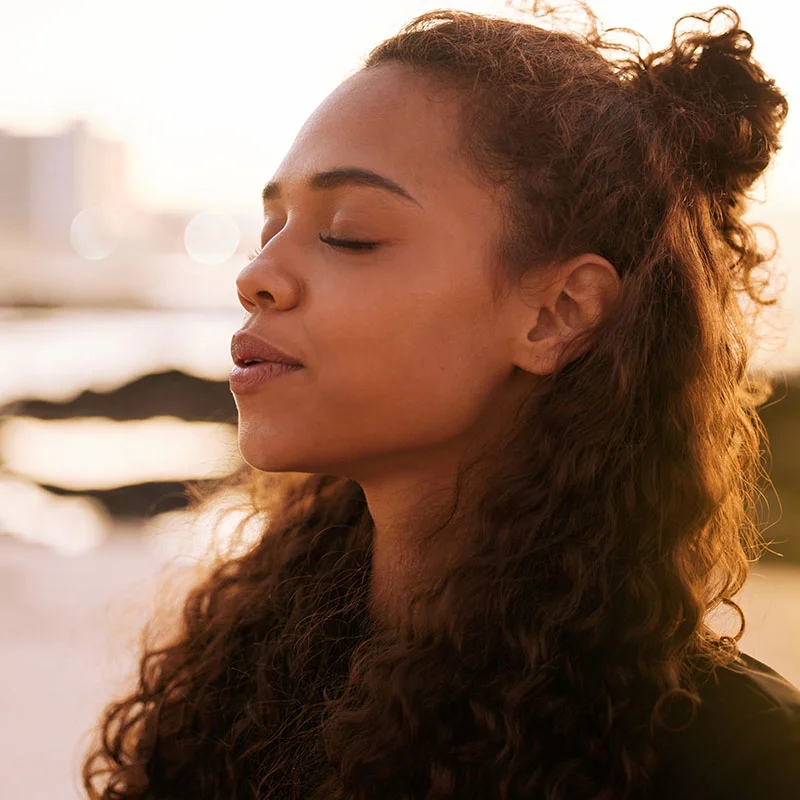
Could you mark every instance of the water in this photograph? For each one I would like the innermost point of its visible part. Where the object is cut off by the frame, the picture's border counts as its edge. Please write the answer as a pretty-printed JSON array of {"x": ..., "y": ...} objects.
[{"x": 55, "y": 355}]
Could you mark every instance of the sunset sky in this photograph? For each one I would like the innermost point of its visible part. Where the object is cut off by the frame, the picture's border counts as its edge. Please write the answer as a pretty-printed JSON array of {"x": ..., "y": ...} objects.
[{"x": 208, "y": 96}]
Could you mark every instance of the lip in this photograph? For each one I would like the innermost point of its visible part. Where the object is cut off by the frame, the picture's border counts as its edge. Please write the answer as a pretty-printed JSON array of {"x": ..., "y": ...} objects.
[
  {"x": 246, "y": 346},
  {"x": 248, "y": 379}
]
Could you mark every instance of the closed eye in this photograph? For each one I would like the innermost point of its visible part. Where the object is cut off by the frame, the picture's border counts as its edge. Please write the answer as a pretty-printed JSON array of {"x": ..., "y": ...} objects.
[{"x": 348, "y": 244}]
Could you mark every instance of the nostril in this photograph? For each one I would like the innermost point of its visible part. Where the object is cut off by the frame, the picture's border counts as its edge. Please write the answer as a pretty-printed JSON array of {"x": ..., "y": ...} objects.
[{"x": 284, "y": 291}]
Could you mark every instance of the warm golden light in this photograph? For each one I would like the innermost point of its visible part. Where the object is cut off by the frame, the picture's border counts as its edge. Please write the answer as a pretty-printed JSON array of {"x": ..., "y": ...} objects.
[
  {"x": 71, "y": 526},
  {"x": 96, "y": 453},
  {"x": 222, "y": 529}
]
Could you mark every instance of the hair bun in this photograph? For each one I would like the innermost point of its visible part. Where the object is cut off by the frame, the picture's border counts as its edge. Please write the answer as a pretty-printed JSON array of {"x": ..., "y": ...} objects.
[{"x": 721, "y": 109}]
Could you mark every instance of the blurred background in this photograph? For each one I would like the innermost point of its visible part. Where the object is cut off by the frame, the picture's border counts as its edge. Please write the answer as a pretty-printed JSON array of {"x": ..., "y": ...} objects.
[{"x": 134, "y": 142}]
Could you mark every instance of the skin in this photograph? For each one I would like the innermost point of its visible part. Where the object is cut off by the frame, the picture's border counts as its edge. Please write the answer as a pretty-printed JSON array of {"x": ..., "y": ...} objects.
[{"x": 411, "y": 364}]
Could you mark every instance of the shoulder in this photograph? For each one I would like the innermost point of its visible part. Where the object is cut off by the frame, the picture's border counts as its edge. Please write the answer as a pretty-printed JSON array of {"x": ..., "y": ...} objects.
[
  {"x": 744, "y": 742},
  {"x": 749, "y": 687}
]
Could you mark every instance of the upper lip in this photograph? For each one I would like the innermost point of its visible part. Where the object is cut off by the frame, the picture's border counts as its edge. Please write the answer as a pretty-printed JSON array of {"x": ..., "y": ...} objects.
[{"x": 246, "y": 346}]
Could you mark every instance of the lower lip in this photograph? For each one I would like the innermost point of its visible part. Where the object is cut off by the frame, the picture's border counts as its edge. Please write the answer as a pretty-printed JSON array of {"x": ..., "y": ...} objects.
[{"x": 248, "y": 379}]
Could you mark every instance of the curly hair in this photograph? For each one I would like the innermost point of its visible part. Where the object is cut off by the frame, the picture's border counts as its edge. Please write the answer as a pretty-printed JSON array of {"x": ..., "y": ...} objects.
[{"x": 565, "y": 645}]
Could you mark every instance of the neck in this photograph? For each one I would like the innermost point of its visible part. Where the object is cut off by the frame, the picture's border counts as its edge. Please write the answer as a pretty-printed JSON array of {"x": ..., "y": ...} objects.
[
  {"x": 416, "y": 536},
  {"x": 418, "y": 533}
]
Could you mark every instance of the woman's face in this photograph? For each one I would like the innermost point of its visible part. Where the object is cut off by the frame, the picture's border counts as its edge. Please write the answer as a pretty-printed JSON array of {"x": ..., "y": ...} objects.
[{"x": 405, "y": 355}]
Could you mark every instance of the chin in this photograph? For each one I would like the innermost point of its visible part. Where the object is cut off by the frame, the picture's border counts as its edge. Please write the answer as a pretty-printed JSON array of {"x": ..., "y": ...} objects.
[
  {"x": 267, "y": 459},
  {"x": 272, "y": 456}
]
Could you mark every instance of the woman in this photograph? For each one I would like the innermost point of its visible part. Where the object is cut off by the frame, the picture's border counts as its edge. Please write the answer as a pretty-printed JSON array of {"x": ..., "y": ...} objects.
[{"x": 495, "y": 412}]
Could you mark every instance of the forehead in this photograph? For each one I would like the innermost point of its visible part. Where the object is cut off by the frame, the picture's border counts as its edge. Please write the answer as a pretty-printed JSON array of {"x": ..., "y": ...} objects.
[{"x": 393, "y": 121}]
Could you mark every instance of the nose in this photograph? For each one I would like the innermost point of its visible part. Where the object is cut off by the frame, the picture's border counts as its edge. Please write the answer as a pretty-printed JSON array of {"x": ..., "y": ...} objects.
[{"x": 265, "y": 284}]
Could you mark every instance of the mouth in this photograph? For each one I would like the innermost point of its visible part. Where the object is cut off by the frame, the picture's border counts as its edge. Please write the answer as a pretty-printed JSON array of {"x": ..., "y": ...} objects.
[
  {"x": 249, "y": 350},
  {"x": 246, "y": 363}
]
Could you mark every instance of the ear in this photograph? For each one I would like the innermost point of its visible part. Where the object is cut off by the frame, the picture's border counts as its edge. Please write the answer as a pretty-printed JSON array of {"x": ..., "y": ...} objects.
[{"x": 557, "y": 304}]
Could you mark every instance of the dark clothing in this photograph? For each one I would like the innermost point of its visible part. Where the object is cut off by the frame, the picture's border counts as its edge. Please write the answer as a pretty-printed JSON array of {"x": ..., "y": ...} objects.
[{"x": 744, "y": 743}]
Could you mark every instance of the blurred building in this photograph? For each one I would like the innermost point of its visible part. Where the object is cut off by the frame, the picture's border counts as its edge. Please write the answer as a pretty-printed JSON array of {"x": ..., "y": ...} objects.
[
  {"x": 71, "y": 233},
  {"x": 45, "y": 181}
]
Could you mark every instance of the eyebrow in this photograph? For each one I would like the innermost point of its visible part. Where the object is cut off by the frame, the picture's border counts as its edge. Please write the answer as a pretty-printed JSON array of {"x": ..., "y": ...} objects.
[{"x": 343, "y": 176}]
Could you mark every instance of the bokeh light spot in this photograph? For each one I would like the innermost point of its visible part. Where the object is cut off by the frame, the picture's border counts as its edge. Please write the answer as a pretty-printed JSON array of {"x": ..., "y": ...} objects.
[
  {"x": 211, "y": 237},
  {"x": 95, "y": 232}
]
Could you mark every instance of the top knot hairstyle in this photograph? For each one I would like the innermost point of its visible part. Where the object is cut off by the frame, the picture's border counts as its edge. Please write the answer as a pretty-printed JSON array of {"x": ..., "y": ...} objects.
[{"x": 568, "y": 643}]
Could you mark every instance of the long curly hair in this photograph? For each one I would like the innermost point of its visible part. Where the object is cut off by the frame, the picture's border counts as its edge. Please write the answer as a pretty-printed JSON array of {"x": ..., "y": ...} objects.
[{"x": 564, "y": 647}]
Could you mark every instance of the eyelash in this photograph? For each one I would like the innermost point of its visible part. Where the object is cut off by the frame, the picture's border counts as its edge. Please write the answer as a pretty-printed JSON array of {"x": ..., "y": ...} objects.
[{"x": 347, "y": 244}]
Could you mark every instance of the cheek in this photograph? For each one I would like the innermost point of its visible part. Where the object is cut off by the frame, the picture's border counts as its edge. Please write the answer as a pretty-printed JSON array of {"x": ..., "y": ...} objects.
[{"x": 419, "y": 361}]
